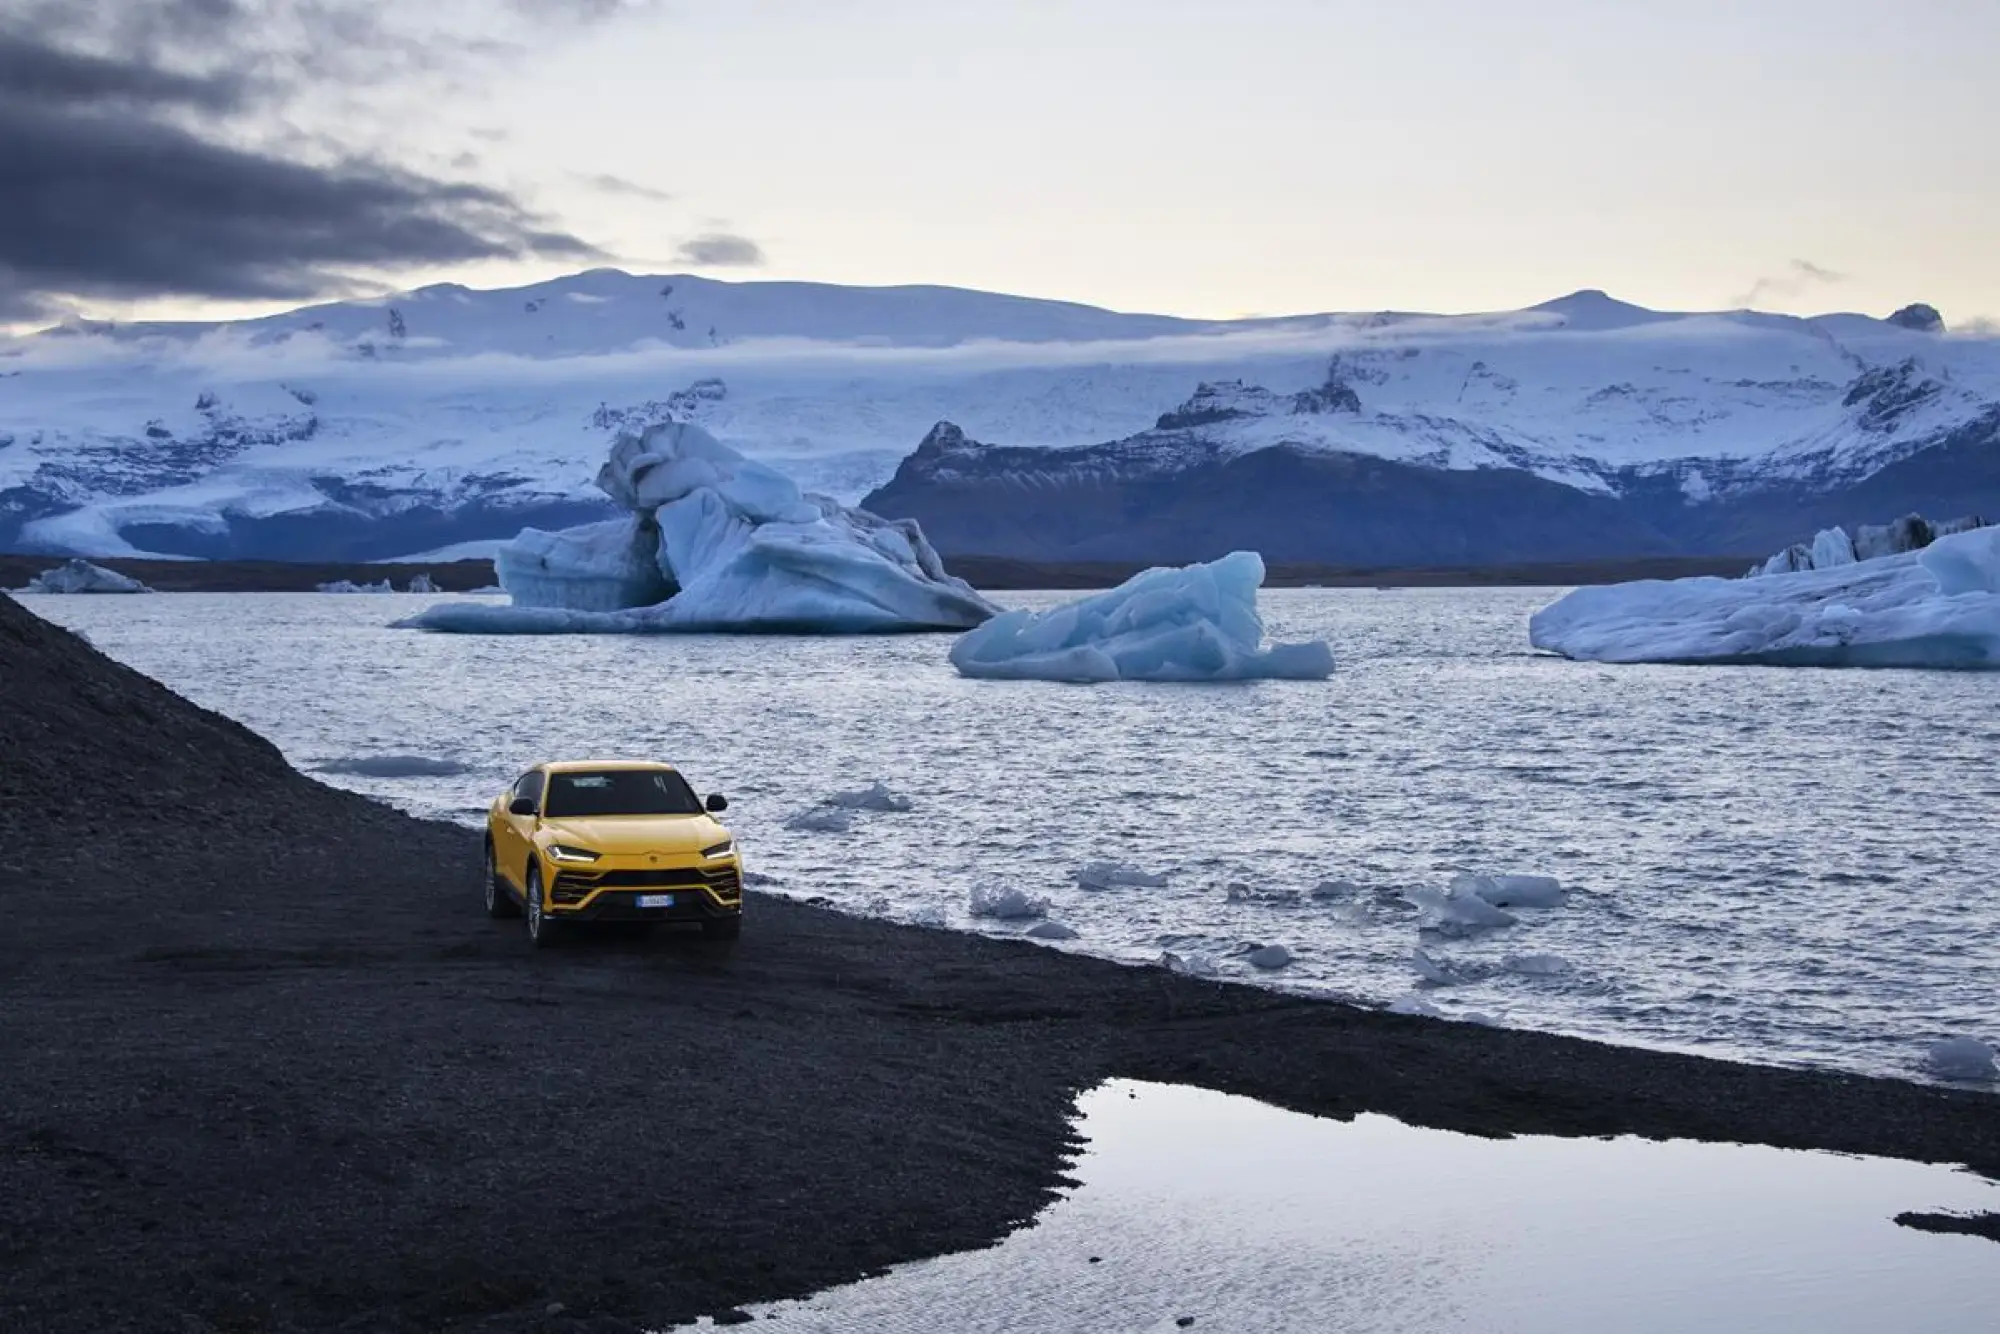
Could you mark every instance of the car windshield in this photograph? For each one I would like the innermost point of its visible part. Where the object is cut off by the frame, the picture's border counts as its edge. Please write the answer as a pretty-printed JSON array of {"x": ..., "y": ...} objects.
[{"x": 620, "y": 792}]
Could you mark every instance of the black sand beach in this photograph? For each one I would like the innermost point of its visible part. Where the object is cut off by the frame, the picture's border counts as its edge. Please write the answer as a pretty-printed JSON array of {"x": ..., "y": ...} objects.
[{"x": 265, "y": 1066}]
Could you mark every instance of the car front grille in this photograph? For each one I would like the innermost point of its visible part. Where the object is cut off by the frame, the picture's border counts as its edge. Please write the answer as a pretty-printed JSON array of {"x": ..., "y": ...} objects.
[{"x": 576, "y": 886}]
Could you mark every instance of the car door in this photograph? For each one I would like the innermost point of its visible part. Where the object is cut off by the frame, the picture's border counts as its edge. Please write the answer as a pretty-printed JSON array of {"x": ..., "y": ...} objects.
[{"x": 518, "y": 830}]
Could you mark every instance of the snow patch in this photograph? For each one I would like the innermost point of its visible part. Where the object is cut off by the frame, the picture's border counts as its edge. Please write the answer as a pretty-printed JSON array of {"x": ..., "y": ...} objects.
[{"x": 1197, "y": 623}]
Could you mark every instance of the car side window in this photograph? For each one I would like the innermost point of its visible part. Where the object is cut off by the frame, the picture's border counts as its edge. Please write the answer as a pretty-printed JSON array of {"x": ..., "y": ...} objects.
[{"x": 529, "y": 785}]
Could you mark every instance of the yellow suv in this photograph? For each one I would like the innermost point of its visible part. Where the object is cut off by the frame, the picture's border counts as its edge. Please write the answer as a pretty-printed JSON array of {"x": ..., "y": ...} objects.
[{"x": 611, "y": 841}]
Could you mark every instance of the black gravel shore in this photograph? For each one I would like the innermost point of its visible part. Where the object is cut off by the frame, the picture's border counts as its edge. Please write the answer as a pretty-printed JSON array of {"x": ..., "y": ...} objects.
[{"x": 264, "y": 1066}]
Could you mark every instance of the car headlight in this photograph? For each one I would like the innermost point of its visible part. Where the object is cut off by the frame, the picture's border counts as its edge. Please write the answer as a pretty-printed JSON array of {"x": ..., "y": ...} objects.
[
  {"x": 560, "y": 852},
  {"x": 722, "y": 849}
]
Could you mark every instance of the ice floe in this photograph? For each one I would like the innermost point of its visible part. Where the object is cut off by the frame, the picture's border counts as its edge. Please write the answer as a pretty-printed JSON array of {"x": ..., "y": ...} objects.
[
  {"x": 877, "y": 796},
  {"x": 1117, "y": 875},
  {"x": 822, "y": 820},
  {"x": 80, "y": 576},
  {"x": 395, "y": 766},
  {"x": 1511, "y": 891},
  {"x": 1269, "y": 957},
  {"x": 1454, "y": 912},
  {"x": 1005, "y": 902},
  {"x": 716, "y": 542},
  {"x": 1934, "y": 607},
  {"x": 1197, "y": 623},
  {"x": 1962, "y": 1058}
]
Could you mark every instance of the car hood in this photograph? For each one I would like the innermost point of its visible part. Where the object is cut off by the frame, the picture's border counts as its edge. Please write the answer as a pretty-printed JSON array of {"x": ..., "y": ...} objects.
[{"x": 621, "y": 835}]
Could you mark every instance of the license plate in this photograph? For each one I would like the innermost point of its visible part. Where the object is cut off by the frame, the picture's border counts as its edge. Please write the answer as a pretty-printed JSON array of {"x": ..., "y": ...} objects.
[{"x": 656, "y": 900}]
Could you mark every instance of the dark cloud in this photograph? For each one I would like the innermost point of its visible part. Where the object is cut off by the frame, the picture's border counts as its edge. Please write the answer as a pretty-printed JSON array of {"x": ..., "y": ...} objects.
[
  {"x": 145, "y": 151},
  {"x": 720, "y": 249},
  {"x": 1798, "y": 277},
  {"x": 605, "y": 182}
]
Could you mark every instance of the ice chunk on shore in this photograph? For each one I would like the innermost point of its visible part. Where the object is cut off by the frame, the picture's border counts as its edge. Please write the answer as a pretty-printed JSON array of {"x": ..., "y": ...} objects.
[
  {"x": 1416, "y": 1005},
  {"x": 80, "y": 576},
  {"x": 1005, "y": 902},
  {"x": 1051, "y": 931},
  {"x": 875, "y": 797},
  {"x": 1117, "y": 875},
  {"x": 1937, "y": 607},
  {"x": 1189, "y": 965},
  {"x": 395, "y": 766},
  {"x": 1199, "y": 623},
  {"x": 1511, "y": 891},
  {"x": 718, "y": 542},
  {"x": 1269, "y": 957},
  {"x": 1962, "y": 1058}
]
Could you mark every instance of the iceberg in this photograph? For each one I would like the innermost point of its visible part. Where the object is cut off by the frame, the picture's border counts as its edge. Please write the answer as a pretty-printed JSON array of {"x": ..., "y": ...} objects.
[
  {"x": 80, "y": 576},
  {"x": 716, "y": 542},
  {"x": 1511, "y": 891},
  {"x": 1111, "y": 875},
  {"x": 1938, "y": 606},
  {"x": 1833, "y": 546},
  {"x": 1005, "y": 903},
  {"x": 349, "y": 586},
  {"x": 1198, "y": 623}
]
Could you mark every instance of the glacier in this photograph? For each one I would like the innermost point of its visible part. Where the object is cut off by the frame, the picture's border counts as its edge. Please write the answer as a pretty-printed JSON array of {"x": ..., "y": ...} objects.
[
  {"x": 716, "y": 542},
  {"x": 1934, "y": 607},
  {"x": 1195, "y": 623}
]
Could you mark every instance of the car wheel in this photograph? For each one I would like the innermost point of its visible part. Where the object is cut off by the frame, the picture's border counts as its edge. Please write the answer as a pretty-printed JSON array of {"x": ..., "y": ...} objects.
[
  {"x": 499, "y": 902},
  {"x": 722, "y": 928},
  {"x": 541, "y": 931}
]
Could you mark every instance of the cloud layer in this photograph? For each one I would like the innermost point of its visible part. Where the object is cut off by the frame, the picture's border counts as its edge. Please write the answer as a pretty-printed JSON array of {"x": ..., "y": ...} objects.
[{"x": 144, "y": 152}]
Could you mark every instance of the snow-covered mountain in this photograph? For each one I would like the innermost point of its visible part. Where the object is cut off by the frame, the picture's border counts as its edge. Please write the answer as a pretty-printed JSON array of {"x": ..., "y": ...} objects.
[{"x": 446, "y": 416}]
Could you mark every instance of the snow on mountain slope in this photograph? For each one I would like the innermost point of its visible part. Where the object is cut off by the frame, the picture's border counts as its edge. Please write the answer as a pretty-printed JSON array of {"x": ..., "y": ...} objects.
[{"x": 443, "y": 416}]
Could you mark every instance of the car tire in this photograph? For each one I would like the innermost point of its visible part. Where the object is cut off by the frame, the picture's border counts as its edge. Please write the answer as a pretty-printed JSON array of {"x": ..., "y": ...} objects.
[
  {"x": 499, "y": 899},
  {"x": 541, "y": 931},
  {"x": 722, "y": 928}
]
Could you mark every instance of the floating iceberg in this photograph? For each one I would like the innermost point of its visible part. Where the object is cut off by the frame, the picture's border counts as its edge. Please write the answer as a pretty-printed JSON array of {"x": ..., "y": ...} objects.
[
  {"x": 716, "y": 542},
  {"x": 877, "y": 796},
  {"x": 349, "y": 586},
  {"x": 1115, "y": 875},
  {"x": 1935, "y": 607},
  {"x": 80, "y": 576},
  {"x": 1455, "y": 912},
  {"x": 1511, "y": 891},
  {"x": 1199, "y": 623}
]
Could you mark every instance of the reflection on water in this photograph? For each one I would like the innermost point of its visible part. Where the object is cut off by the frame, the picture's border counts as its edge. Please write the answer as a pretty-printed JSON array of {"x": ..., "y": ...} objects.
[{"x": 1248, "y": 1218}]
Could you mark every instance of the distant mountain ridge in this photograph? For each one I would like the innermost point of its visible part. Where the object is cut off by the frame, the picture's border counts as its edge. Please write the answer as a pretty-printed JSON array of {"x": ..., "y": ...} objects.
[{"x": 1580, "y": 428}]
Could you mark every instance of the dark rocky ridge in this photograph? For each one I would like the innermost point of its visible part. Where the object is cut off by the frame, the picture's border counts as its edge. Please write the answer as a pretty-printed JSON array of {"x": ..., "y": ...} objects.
[
  {"x": 267, "y": 1068},
  {"x": 1178, "y": 493}
]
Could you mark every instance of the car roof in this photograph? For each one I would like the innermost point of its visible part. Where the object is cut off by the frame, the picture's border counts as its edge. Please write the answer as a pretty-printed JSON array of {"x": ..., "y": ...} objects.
[{"x": 573, "y": 766}]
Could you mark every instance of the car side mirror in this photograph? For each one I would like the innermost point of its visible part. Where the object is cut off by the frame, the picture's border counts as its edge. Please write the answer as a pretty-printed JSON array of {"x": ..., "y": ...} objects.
[
  {"x": 716, "y": 802},
  {"x": 521, "y": 806}
]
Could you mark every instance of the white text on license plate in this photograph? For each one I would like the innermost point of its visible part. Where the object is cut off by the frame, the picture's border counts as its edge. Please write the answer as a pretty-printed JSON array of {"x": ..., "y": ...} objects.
[{"x": 656, "y": 900}]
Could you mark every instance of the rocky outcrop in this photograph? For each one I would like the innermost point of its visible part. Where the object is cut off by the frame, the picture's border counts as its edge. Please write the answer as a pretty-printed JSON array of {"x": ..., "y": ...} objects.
[{"x": 1919, "y": 316}]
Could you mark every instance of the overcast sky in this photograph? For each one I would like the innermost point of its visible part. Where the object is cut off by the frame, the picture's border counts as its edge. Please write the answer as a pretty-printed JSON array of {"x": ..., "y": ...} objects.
[{"x": 1201, "y": 157}]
